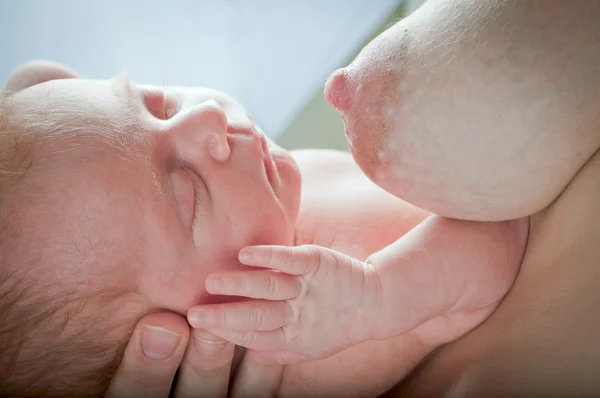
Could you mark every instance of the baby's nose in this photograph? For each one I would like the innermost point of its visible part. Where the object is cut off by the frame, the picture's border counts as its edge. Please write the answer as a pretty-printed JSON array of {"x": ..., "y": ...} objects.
[
  {"x": 199, "y": 130},
  {"x": 337, "y": 90}
]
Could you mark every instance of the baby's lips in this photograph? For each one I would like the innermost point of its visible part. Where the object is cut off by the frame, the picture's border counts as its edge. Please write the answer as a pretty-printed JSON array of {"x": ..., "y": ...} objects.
[{"x": 337, "y": 90}]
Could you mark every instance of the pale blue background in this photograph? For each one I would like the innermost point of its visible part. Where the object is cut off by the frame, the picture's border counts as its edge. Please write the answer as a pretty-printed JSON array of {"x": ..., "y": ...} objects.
[{"x": 271, "y": 55}]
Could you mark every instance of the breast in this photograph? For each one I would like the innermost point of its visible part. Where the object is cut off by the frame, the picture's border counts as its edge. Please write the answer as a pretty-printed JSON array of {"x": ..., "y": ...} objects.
[{"x": 542, "y": 340}]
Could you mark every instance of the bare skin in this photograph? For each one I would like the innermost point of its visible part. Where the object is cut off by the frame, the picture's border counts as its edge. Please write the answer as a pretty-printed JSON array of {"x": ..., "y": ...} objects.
[
  {"x": 479, "y": 158},
  {"x": 459, "y": 164},
  {"x": 373, "y": 367},
  {"x": 477, "y": 110},
  {"x": 502, "y": 81},
  {"x": 352, "y": 231},
  {"x": 380, "y": 364},
  {"x": 488, "y": 111},
  {"x": 144, "y": 135},
  {"x": 541, "y": 341},
  {"x": 325, "y": 222},
  {"x": 347, "y": 228},
  {"x": 367, "y": 369},
  {"x": 441, "y": 270},
  {"x": 582, "y": 149},
  {"x": 523, "y": 328}
]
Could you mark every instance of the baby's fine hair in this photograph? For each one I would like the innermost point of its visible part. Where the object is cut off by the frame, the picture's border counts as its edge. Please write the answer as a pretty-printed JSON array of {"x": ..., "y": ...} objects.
[{"x": 49, "y": 346}]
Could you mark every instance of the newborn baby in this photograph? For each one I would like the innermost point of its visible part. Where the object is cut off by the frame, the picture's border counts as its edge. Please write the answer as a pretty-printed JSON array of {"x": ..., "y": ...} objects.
[
  {"x": 482, "y": 163},
  {"x": 117, "y": 200}
]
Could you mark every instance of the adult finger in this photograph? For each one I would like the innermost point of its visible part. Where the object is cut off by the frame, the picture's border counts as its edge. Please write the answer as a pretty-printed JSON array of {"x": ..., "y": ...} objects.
[
  {"x": 257, "y": 377},
  {"x": 206, "y": 366},
  {"x": 151, "y": 358}
]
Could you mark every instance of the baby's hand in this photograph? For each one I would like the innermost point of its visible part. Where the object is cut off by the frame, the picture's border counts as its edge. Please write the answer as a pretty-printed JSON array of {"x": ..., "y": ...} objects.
[{"x": 310, "y": 303}]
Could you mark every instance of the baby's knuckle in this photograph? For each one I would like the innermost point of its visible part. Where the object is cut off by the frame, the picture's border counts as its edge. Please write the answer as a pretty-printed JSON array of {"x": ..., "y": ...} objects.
[
  {"x": 332, "y": 259},
  {"x": 271, "y": 286},
  {"x": 243, "y": 286},
  {"x": 271, "y": 257},
  {"x": 248, "y": 339},
  {"x": 305, "y": 283},
  {"x": 313, "y": 253},
  {"x": 288, "y": 257},
  {"x": 223, "y": 318},
  {"x": 257, "y": 319},
  {"x": 292, "y": 337},
  {"x": 295, "y": 309}
]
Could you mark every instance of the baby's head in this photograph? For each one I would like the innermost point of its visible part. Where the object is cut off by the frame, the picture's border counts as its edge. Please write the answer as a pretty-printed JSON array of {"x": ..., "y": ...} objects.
[{"x": 111, "y": 207}]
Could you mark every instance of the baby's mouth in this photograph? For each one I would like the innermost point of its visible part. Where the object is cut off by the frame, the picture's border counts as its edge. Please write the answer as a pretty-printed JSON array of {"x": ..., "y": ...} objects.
[
  {"x": 269, "y": 165},
  {"x": 268, "y": 162}
]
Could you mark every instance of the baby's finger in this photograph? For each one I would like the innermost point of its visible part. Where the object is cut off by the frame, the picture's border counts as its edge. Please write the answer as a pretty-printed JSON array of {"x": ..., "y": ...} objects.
[
  {"x": 297, "y": 260},
  {"x": 272, "y": 340},
  {"x": 248, "y": 315},
  {"x": 266, "y": 285}
]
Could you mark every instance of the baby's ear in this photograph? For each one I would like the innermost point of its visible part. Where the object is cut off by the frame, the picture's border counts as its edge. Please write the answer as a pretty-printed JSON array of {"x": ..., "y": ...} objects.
[{"x": 36, "y": 72}]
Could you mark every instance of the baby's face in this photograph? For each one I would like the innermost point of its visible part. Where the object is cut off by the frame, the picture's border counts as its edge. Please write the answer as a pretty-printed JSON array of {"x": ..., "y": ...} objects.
[{"x": 132, "y": 196}]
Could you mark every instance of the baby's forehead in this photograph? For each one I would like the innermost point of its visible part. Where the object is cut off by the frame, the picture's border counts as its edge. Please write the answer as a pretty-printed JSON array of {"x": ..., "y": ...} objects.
[
  {"x": 70, "y": 107},
  {"x": 74, "y": 95}
]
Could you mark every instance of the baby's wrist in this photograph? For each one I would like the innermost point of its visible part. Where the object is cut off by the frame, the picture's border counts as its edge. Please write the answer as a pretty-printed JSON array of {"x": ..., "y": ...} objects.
[{"x": 371, "y": 311}]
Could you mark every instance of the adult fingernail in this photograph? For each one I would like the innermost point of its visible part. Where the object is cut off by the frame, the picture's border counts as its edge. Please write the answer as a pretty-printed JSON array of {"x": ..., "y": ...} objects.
[
  {"x": 159, "y": 343},
  {"x": 207, "y": 344}
]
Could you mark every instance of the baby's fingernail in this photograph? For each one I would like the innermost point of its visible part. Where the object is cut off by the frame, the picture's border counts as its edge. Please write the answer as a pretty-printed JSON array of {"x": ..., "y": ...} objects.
[
  {"x": 245, "y": 256},
  {"x": 201, "y": 318},
  {"x": 207, "y": 344},
  {"x": 196, "y": 318},
  {"x": 159, "y": 343},
  {"x": 217, "y": 284}
]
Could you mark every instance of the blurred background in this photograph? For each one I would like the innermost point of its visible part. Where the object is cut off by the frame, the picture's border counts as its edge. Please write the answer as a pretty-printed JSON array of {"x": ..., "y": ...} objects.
[{"x": 273, "y": 56}]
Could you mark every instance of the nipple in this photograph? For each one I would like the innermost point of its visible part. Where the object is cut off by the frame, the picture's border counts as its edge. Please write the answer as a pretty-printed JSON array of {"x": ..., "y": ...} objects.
[{"x": 337, "y": 90}]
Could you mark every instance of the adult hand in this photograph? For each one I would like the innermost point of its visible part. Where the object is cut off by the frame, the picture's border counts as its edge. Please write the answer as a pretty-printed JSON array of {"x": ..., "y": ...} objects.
[{"x": 162, "y": 343}]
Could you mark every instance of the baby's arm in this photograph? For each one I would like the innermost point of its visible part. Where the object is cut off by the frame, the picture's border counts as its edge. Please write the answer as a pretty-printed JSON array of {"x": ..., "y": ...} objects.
[{"x": 443, "y": 273}]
